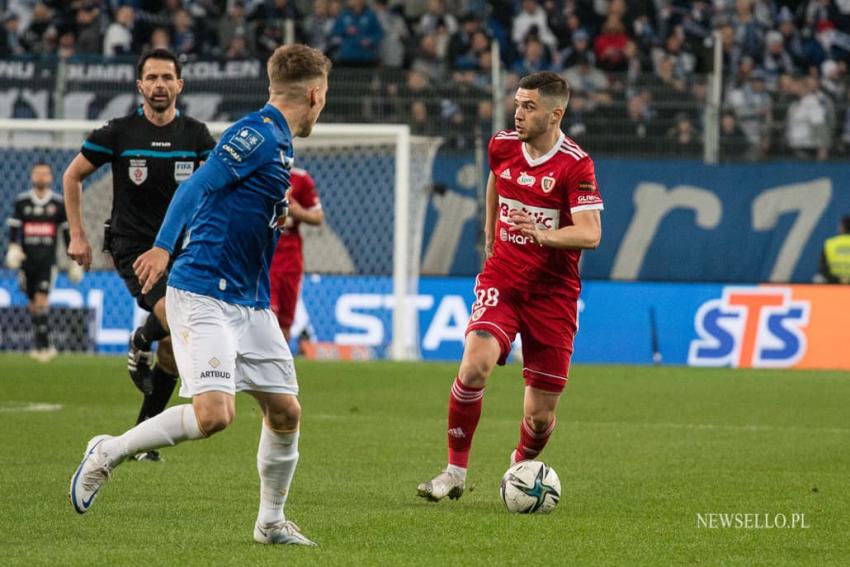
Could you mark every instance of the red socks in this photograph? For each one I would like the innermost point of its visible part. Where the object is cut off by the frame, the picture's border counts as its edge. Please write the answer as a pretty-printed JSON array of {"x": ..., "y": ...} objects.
[
  {"x": 464, "y": 411},
  {"x": 531, "y": 443}
]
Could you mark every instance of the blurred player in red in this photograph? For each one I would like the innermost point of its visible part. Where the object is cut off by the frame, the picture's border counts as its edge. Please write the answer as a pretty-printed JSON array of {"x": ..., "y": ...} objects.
[
  {"x": 543, "y": 209},
  {"x": 288, "y": 261}
]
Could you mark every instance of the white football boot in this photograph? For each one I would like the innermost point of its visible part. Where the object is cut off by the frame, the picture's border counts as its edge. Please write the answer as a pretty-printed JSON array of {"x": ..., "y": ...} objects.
[
  {"x": 43, "y": 354},
  {"x": 90, "y": 476},
  {"x": 444, "y": 484},
  {"x": 282, "y": 532}
]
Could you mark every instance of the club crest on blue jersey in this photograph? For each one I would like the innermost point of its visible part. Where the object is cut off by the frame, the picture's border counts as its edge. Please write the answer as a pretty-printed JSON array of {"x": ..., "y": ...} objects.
[{"x": 246, "y": 140}]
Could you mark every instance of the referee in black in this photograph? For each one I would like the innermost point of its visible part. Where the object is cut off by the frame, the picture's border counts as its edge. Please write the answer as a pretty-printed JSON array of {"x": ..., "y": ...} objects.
[{"x": 151, "y": 150}]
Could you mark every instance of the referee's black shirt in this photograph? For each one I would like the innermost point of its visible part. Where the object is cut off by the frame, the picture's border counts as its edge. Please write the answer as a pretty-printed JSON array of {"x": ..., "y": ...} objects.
[{"x": 148, "y": 163}]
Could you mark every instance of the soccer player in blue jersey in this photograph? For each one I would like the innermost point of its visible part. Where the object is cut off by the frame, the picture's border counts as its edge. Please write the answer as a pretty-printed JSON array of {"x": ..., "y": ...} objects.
[{"x": 226, "y": 339}]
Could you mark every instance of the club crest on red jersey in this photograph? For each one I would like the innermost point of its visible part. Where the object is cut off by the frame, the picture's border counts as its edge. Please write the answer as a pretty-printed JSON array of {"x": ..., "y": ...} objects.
[
  {"x": 547, "y": 184},
  {"x": 526, "y": 179}
]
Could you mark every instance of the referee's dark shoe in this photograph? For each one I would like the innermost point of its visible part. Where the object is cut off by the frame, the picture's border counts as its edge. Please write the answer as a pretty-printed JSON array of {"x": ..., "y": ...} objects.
[{"x": 140, "y": 366}]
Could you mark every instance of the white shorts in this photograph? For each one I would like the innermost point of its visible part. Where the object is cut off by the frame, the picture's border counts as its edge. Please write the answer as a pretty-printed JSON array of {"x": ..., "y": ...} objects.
[{"x": 228, "y": 348}]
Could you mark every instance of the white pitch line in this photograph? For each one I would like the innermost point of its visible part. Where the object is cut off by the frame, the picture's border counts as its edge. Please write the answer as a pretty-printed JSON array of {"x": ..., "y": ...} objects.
[{"x": 18, "y": 407}]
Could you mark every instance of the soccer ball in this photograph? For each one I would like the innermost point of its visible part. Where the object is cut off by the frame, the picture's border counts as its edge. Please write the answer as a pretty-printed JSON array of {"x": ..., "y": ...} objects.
[{"x": 530, "y": 487}]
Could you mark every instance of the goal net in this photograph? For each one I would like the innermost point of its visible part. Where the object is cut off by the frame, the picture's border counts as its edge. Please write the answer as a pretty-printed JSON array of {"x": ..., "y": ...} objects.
[{"x": 373, "y": 181}]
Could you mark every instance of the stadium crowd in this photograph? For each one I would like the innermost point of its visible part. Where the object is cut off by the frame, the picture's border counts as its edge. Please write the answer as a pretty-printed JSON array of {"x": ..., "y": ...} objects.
[{"x": 638, "y": 68}]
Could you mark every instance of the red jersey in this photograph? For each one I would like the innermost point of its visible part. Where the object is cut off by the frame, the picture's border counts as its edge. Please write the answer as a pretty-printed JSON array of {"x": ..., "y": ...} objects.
[
  {"x": 551, "y": 188},
  {"x": 287, "y": 255}
]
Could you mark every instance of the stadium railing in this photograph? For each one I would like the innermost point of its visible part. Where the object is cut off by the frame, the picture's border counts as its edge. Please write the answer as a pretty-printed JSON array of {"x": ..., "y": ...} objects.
[{"x": 634, "y": 116}]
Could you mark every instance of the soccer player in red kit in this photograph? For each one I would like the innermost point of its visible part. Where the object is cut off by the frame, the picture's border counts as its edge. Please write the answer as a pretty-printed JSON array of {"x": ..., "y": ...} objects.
[
  {"x": 543, "y": 209},
  {"x": 288, "y": 261}
]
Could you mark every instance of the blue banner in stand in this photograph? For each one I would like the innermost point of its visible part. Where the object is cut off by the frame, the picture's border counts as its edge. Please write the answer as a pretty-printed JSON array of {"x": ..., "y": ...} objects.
[
  {"x": 742, "y": 326},
  {"x": 687, "y": 221},
  {"x": 674, "y": 220},
  {"x": 663, "y": 220},
  {"x": 614, "y": 317},
  {"x": 767, "y": 326}
]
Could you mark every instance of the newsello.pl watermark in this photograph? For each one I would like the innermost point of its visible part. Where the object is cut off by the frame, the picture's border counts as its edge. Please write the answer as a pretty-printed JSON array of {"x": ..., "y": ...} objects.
[{"x": 752, "y": 521}]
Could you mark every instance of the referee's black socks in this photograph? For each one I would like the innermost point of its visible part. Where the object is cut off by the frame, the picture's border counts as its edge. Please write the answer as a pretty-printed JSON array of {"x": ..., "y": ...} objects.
[
  {"x": 155, "y": 402},
  {"x": 149, "y": 333}
]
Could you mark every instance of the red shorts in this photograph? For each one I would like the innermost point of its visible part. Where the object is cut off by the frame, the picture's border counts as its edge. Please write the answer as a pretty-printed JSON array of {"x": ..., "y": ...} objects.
[
  {"x": 285, "y": 287},
  {"x": 547, "y": 322}
]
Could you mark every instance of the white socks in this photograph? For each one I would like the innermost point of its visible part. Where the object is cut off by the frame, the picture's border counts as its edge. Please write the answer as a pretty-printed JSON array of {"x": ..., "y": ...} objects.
[
  {"x": 277, "y": 456},
  {"x": 176, "y": 424},
  {"x": 456, "y": 470}
]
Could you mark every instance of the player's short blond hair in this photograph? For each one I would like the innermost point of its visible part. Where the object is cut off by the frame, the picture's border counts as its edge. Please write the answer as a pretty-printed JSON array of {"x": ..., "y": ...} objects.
[{"x": 292, "y": 65}]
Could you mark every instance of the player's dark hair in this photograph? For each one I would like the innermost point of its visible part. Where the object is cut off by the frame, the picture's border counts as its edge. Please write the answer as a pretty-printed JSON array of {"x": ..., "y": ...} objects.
[
  {"x": 41, "y": 163},
  {"x": 158, "y": 53},
  {"x": 845, "y": 224},
  {"x": 550, "y": 85},
  {"x": 295, "y": 63}
]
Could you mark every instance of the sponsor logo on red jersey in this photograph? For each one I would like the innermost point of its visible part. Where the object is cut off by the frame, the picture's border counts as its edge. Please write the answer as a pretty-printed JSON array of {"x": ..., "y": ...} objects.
[
  {"x": 514, "y": 237},
  {"x": 544, "y": 217},
  {"x": 526, "y": 179}
]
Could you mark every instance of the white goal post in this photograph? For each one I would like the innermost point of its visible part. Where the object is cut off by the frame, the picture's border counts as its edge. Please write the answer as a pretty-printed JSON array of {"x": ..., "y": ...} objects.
[{"x": 381, "y": 173}]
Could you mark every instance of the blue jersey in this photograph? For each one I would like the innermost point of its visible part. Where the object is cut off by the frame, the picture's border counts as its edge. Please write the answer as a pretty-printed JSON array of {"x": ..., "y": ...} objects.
[{"x": 226, "y": 212}]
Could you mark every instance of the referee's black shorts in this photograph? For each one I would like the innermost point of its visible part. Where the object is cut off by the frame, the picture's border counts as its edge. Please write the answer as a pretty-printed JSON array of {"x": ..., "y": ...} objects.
[{"x": 124, "y": 253}]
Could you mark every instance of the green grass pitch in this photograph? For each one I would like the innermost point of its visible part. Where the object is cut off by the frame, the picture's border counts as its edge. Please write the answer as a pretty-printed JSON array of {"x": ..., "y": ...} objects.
[{"x": 640, "y": 451}]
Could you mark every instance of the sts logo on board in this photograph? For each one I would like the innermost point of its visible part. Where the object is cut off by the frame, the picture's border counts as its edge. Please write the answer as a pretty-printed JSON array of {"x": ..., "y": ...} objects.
[{"x": 750, "y": 327}]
